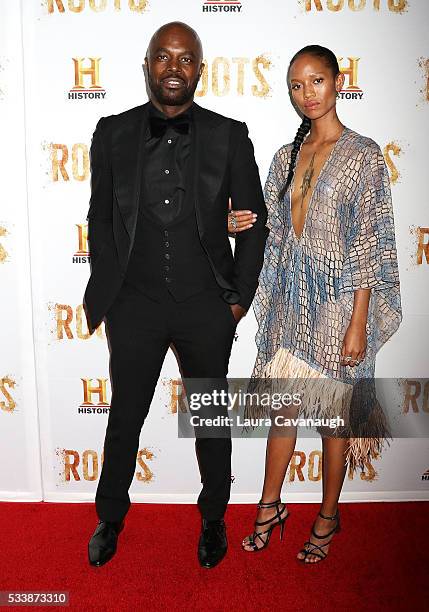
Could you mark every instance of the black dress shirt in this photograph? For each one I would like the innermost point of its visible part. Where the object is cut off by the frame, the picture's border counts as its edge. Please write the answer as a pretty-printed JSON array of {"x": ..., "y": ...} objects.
[{"x": 165, "y": 169}]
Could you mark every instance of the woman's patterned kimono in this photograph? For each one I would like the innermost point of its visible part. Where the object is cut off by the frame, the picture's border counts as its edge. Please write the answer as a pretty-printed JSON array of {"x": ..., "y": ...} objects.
[{"x": 305, "y": 298}]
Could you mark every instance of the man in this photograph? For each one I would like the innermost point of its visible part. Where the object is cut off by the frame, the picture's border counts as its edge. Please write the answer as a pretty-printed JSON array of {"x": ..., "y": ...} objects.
[{"x": 162, "y": 270}]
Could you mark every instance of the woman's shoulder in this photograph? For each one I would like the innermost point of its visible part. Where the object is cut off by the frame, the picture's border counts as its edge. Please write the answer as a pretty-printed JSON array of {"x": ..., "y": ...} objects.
[
  {"x": 282, "y": 155},
  {"x": 363, "y": 144}
]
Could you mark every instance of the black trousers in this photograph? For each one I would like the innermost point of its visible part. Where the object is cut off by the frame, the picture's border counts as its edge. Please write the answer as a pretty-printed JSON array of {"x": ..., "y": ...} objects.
[{"x": 140, "y": 331}]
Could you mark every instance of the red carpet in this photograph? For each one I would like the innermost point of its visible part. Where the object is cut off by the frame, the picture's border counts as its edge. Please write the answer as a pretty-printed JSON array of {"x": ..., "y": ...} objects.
[{"x": 379, "y": 561}]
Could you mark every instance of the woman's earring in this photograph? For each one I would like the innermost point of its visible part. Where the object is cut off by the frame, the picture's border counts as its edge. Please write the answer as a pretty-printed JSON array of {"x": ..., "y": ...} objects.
[{"x": 338, "y": 95}]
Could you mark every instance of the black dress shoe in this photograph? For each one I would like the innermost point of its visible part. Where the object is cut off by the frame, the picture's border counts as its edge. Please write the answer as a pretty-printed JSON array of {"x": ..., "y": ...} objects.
[
  {"x": 102, "y": 545},
  {"x": 213, "y": 544}
]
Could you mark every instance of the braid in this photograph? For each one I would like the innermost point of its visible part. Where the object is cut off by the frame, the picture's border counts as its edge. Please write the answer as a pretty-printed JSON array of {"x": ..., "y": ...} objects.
[{"x": 303, "y": 130}]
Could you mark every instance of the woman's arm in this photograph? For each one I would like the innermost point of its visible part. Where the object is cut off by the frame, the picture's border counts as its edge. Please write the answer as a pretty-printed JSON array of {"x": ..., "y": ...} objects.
[{"x": 354, "y": 343}]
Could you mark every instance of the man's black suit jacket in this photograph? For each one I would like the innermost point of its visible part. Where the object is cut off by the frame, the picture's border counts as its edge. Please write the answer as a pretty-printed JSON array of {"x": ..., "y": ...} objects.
[{"x": 223, "y": 166}]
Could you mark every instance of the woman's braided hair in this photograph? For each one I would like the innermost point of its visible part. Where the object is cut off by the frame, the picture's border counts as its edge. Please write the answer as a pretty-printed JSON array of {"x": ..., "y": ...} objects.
[{"x": 305, "y": 126}]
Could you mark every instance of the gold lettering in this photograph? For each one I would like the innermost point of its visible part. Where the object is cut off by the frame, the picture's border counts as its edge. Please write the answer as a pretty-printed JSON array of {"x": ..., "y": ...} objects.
[
  {"x": 317, "y": 4},
  {"x": 397, "y": 6},
  {"x": 10, "y": 404},
  {"x": 370, "y": 473},
  {"x": 217, "y": 62},
  {"x": 178, "y": 397},
  {"x": 396, "y": 150},
  {"x": 350, "y": 72},
  {"x": 422, "y": 247},
  {"x": 137, "y": 5},
  {"x": 265, "y": 88},
  {"x": 93, "y": 70},
  {"x": 83, "y": 149},
  {"x": 79, "y": 319},
  {"x": 315, "y": 477},
  {"x": 58, "y": 4},
  {"x": 425, "y": 405},
  {"x": 85, "y": 461},
  {"x": 76, "y": 9},
  {"x": 89, "y": 390},
  {"x": 296, "y": 464},
  {"x": 359, "y": 7},
  {"x": 424, "y": 65},
  {"x": 59, "y": 164},
  {"x": 412, "y": 392},
  {"x": 82, "y": 230},
  {"x": 335, "y": 7},
  {"x": 147, "y": 475},
  {"x": 241, "y": 62},
  {"x": 64, "y": 324},
  {"x": 71, "y": 461},
  {"x": 203, "y": 85},
  {"x": 101, "y": 7},
  {"x": 3, "y": 252}
]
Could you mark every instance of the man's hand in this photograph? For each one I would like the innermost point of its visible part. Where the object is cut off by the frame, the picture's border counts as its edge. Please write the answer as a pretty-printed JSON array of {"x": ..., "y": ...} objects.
[{"x": 238, "y": 312}]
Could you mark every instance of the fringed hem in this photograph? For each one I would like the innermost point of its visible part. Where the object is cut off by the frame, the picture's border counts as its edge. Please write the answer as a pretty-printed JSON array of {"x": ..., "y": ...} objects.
[
  {"x": 363, "y": 448},
  {"x": 321, "y": 396}
]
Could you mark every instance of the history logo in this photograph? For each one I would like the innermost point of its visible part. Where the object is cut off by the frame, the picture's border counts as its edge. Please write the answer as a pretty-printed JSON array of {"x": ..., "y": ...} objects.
[
  {"x": 222, "y": 6},
  {"x": 87, "y": 79},
  {"x": 352, "y": 91},
  {"x": 97, "y": 389},
  {"x": 82, "y": 254}
]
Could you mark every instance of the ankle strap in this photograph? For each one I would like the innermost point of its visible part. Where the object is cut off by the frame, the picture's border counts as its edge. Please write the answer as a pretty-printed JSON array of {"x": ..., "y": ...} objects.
[
  {"x": 273, "y": 504},
  {"x": 329, "y": 518}
]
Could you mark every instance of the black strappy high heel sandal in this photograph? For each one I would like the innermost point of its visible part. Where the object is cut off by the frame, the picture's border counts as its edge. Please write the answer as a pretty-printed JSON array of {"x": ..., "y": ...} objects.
[
  {"x": 281, "y": 521},
  {"x": 315, "y": 547}
]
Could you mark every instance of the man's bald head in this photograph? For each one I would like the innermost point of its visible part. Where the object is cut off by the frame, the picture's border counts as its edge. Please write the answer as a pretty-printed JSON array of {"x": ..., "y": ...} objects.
[{"x": 172, "y": 29}]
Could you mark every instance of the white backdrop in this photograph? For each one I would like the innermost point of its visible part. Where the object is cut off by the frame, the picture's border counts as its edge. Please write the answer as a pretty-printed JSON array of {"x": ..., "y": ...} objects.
[{"x": 47, "y": 133}]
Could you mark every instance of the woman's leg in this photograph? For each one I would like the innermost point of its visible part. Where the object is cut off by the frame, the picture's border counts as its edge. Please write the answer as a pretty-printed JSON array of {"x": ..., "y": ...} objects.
[
  {"x": 280, "y": 447},
  {"x": 333, "y": 473}
]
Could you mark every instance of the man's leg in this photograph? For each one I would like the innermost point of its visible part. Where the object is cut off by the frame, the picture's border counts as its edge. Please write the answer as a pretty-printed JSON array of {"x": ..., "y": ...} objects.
[
  {"x": 204, "y": 330},
  {"x": 138, "y": 339}
]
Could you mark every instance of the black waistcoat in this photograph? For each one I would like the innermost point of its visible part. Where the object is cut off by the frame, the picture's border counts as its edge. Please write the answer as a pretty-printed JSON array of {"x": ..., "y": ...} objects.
[{"x": 168, "y": 254}]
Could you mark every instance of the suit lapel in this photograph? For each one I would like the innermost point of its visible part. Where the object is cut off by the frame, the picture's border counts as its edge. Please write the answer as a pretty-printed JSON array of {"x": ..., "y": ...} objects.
[
  {"x": 211, "y": 141},
  {"x": 127, "y": 161},
  {"x": 209, "y": 153},
  {"x": 210, "y": 144}
]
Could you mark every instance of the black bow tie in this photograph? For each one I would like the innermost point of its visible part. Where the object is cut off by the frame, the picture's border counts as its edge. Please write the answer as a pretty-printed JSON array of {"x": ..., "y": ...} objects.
[{"x": 159, "y": 125}]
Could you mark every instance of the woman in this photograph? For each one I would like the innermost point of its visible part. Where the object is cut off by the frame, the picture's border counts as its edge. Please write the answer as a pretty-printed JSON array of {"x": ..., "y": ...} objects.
[{"x": 329, "y": 291}]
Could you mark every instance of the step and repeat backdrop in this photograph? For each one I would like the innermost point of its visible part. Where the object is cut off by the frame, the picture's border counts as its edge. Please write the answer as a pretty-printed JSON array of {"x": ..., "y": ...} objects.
[{"x": 66, "y": 63}]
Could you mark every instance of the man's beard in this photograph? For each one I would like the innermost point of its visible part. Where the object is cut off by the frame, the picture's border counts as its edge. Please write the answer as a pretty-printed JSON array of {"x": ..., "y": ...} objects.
[{"x": 174, "y": 97}]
